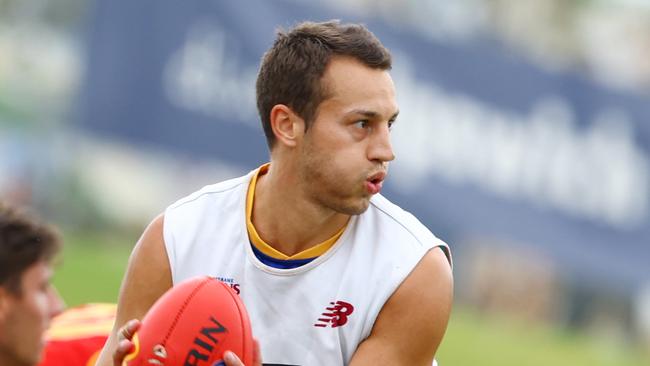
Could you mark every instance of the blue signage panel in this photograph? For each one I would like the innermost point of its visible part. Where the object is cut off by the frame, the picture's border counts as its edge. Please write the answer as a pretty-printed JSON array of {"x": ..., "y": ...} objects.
[{"x": 488, "y": 145}]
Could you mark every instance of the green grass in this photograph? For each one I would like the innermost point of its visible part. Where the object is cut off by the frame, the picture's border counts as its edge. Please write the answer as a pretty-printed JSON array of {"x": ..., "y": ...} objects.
[
  {"x": 93, "y": 266},
  {"x": 489, "y": 340}
]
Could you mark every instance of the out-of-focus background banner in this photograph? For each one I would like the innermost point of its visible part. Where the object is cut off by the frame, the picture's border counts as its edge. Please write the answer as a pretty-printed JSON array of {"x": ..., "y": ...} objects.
[{"x": 523, "y": 141}]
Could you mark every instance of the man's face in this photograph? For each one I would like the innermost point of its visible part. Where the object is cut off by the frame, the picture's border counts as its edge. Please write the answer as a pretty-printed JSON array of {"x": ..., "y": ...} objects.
[
  {"x": 24, "y": 318},
  {"x": 345, "y": 153}
]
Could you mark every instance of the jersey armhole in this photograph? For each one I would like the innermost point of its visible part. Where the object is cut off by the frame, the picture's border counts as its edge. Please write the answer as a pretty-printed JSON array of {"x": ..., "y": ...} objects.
[{"x": 447, "y": 252}]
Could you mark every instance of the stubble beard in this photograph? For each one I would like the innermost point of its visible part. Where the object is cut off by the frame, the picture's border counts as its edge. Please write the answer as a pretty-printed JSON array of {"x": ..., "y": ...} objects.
[{"x": 325, "y": 186}]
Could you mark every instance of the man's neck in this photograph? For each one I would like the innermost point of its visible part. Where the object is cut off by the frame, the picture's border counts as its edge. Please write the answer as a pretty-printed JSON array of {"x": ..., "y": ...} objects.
[{"x": 285, "y": 219}]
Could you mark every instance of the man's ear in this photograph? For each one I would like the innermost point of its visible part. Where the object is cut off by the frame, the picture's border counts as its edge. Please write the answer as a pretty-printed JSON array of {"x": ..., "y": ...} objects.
[{"x": 287, "y": 126}]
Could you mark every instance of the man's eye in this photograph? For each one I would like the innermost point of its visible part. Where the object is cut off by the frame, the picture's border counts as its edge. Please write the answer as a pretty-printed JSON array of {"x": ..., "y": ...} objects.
[{"x": 362, "y": 123}]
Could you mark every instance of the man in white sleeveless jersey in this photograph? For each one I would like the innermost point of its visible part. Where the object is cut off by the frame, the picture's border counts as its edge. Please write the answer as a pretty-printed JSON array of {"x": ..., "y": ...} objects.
[{"x": 331, "y": 272}]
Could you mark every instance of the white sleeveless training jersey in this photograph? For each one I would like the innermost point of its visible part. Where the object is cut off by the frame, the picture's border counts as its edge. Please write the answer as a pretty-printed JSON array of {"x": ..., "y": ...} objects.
[{"x": 316, "y": 314}]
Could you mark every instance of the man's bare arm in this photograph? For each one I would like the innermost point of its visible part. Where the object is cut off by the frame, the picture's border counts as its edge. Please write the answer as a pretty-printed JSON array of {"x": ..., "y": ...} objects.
[
  {"x": 413, "y": 321},
  {"x": 147, "y": 277}
]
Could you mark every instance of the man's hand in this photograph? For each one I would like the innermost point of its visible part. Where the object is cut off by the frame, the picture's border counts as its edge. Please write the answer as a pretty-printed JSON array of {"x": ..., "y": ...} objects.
[
  {"x": 125, "y": 344},
  {"x": 231, "y": 359}
]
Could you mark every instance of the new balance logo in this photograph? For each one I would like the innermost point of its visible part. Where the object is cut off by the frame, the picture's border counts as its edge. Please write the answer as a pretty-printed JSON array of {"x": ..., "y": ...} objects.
[{"x": 335, "y": 315}]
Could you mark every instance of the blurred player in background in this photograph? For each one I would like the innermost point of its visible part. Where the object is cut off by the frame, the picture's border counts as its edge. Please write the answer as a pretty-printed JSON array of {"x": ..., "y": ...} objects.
[
  {"x": 28, "y": 301},
  {"x": 331, "y": 272},
  {"x": 34, "y": 329},
  {"x": 77, "y": 335}
]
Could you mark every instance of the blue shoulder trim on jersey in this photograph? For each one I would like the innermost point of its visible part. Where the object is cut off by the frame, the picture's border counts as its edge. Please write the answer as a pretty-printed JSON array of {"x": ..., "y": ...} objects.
[{"x": 280, "y": 263}]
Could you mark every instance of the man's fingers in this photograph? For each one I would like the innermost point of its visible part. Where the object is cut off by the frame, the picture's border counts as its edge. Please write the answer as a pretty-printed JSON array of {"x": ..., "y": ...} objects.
[
  {"x": 128, "y": 330},
  {"x": 257, "y": 359},
  {"x": 124, "y": 339},
  {"x": 123, "y": 348},
  {"x": 231, "y": 359}
]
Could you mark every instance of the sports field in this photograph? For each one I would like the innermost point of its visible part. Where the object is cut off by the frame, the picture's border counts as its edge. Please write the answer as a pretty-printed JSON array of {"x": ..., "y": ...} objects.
[{"x": 93, "y": 266}]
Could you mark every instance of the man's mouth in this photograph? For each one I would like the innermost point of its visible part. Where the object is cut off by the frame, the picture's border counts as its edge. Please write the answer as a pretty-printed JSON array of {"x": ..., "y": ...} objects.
[{"x": 375, "y": 182}]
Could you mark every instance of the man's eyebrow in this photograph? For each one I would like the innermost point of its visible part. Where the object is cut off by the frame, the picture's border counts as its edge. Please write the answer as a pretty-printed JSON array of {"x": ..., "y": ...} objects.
[{"x": 371, "y": 114}]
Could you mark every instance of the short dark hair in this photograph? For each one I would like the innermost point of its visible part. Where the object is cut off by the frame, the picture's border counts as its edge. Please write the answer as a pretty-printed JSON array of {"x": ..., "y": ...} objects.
[
  {"x": 24, "y": 241},
  {"x": 292, "y": 68}
]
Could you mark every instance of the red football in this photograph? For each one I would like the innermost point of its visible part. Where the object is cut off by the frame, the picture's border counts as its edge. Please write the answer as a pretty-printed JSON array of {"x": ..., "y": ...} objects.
[{"x": 193, "y": 323}]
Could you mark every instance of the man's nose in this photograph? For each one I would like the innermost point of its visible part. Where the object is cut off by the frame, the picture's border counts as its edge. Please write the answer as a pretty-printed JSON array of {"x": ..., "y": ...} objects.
[
  {"x": 56, "y": 302},
  {"x": 381, "y": 148}
]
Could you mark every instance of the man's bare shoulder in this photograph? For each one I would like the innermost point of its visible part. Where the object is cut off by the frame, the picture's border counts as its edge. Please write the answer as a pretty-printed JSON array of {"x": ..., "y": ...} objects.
[{"x": 413, "y": 321}]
